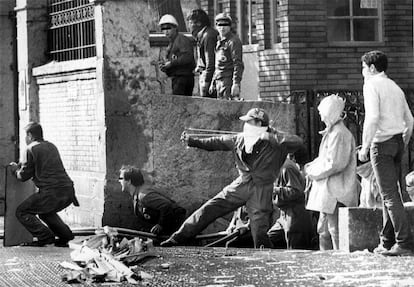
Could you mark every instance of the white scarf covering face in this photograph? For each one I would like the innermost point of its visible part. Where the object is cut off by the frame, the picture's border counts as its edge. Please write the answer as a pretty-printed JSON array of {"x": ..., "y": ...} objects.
[{"x": 251, "y": 135}]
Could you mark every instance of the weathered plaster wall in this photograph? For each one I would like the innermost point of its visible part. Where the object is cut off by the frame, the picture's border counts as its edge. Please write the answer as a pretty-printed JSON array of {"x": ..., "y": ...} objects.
[{"x": 149, "y": 137}]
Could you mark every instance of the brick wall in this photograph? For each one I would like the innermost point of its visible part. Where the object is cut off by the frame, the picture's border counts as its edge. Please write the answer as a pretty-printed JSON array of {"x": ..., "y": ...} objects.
[
  {"x": 316, "y": 64},
  {"x": 274, "y": 60},
  {"x": 305, "y": 60},
  {"x": 71, "y": 114}
]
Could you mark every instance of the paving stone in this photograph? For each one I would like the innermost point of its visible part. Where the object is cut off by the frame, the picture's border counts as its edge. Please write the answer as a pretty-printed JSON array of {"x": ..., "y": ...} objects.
[{"x": 359, "y": 227}]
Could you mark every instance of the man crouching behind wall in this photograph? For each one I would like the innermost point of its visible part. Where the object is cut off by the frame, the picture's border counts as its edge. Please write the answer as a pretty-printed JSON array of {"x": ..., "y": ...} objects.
[
  {"x": 155, "y": 208},
  {"x": 38, "y": 213},
  {"x": 333, "y": 172}
]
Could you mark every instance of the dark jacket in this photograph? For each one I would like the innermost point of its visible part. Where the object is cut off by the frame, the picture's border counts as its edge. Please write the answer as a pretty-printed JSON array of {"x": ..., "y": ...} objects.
[
  {"x": 206, "y": 45},
  {"x": 229, "y": 58},
  {"x": 289, "y": 196},
  {"x": 263, "y": 165},
  {"x": 44, "y": 165},
  {"x": 180, "y": 53},
  {"x": 157, "y": 208}
]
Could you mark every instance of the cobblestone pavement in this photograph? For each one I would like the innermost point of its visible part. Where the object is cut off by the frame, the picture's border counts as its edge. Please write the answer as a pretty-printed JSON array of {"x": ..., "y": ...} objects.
[{"x": 192, "y": 266}]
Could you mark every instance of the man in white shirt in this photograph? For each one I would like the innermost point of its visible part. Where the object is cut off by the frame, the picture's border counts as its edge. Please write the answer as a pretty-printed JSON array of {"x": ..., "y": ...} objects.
[{"x": 387, "y": 130}]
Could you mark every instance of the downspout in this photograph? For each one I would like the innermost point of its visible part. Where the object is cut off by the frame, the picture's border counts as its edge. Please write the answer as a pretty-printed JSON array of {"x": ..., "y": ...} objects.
[{"x": 15, "y": 137}]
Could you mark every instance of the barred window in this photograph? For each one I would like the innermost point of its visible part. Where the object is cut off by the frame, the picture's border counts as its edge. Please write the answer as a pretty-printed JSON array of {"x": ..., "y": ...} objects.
[
  {"x": 354, "y": 21},
  {"x": 71, "y": 30},
  {"x": 275, "y": 16},
  {"x": 247, "y": 11}
]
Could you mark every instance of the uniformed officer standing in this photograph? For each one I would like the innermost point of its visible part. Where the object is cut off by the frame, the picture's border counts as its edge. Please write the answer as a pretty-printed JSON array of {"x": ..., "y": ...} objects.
[
  {"x": 229, "y": 60},
  {"x": 180, "y": 62}
]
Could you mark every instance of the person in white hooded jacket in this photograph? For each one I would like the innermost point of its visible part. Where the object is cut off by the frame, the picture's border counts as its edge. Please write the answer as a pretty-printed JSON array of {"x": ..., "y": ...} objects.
[{"x": 333, "y": 172}]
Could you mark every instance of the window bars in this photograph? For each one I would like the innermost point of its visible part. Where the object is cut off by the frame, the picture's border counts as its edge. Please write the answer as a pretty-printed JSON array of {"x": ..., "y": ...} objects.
[{"x": 71, "y": 30}]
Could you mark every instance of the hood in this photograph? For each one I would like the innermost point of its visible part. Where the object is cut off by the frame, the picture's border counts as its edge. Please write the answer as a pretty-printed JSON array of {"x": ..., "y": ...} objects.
[{"x": 331, "y": 109}]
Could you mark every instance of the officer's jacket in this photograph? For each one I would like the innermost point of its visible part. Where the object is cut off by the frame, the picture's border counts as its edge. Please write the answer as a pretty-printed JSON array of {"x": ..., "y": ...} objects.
[
  {"x": 229, "y": 58},
  {"x": 180, "y": 53}
]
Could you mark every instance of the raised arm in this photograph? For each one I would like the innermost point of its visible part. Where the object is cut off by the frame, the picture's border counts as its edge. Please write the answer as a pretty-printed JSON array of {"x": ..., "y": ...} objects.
[{"x": 223, "y": 143}]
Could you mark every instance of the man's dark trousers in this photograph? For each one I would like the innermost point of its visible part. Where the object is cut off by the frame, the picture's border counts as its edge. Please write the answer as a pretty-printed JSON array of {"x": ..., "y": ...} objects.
[
  {"x": 46, "y": 204},
  {"x": 386, "y": 162}
]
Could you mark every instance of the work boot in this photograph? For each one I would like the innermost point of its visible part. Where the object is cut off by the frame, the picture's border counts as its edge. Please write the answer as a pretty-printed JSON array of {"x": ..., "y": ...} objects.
[
  {"x": 398, "y": 250},
  {"x": 60, "y": 242},
  {"x": 380, "y": 249},
  {"x": 169, "y": 242},
  {"x": 39, "y": 243}
]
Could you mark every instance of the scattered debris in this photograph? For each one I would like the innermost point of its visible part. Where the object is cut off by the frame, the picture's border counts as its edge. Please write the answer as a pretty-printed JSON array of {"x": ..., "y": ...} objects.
[
  {"x": 106, "y": 256},
  {"x": 165, "y": 265}
]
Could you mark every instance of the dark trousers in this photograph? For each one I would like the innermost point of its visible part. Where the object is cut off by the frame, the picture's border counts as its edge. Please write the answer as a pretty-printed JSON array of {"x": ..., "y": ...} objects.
[
  {"x": 223, "y": 88},
  {"x": 258, "y": 201},
  {"x": 175, "y": 222},
  {"x": 204, "y": 89},
  {"x": 386, "y": 163},
  {"x": 183, "y": 85},
  {"x": 46, "y": 204},
  {"x": 290, "y": 240}
]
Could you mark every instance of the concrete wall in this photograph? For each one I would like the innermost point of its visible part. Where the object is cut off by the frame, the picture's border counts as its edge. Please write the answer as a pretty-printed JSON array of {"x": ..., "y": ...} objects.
[
  {"x": 149, "y": 137},
  {"x": 8, "y": 67}
]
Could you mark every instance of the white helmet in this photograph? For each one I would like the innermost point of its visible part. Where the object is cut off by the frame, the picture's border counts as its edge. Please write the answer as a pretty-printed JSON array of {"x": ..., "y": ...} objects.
[{"x": 168, "y": 19}]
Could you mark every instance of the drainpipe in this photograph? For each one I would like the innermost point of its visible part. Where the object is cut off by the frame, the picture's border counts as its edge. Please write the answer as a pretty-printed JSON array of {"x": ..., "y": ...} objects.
[{"x": 15, "y": 137}]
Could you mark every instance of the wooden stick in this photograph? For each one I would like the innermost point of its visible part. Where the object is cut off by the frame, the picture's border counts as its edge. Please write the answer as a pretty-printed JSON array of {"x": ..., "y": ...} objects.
[{"x": 226, "y": 238}]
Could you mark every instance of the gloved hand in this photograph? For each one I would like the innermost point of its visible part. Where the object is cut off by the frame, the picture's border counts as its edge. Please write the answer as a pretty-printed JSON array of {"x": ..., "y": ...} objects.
[
  {"x": 156, "y": 229},
  {"x": 235, "y": 90}
]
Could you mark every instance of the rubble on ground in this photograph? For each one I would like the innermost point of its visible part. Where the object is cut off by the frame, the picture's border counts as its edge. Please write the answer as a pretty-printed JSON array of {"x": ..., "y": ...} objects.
[{"x": 107, "y": 256}]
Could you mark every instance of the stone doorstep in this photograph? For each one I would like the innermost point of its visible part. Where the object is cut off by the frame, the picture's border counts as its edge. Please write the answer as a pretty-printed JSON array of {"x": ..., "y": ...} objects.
[{"x": 359, "y": 227}]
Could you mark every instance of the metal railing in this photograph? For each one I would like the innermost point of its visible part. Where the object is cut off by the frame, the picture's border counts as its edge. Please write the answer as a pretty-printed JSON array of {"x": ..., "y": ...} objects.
[{"x": 71, "y": 30}]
